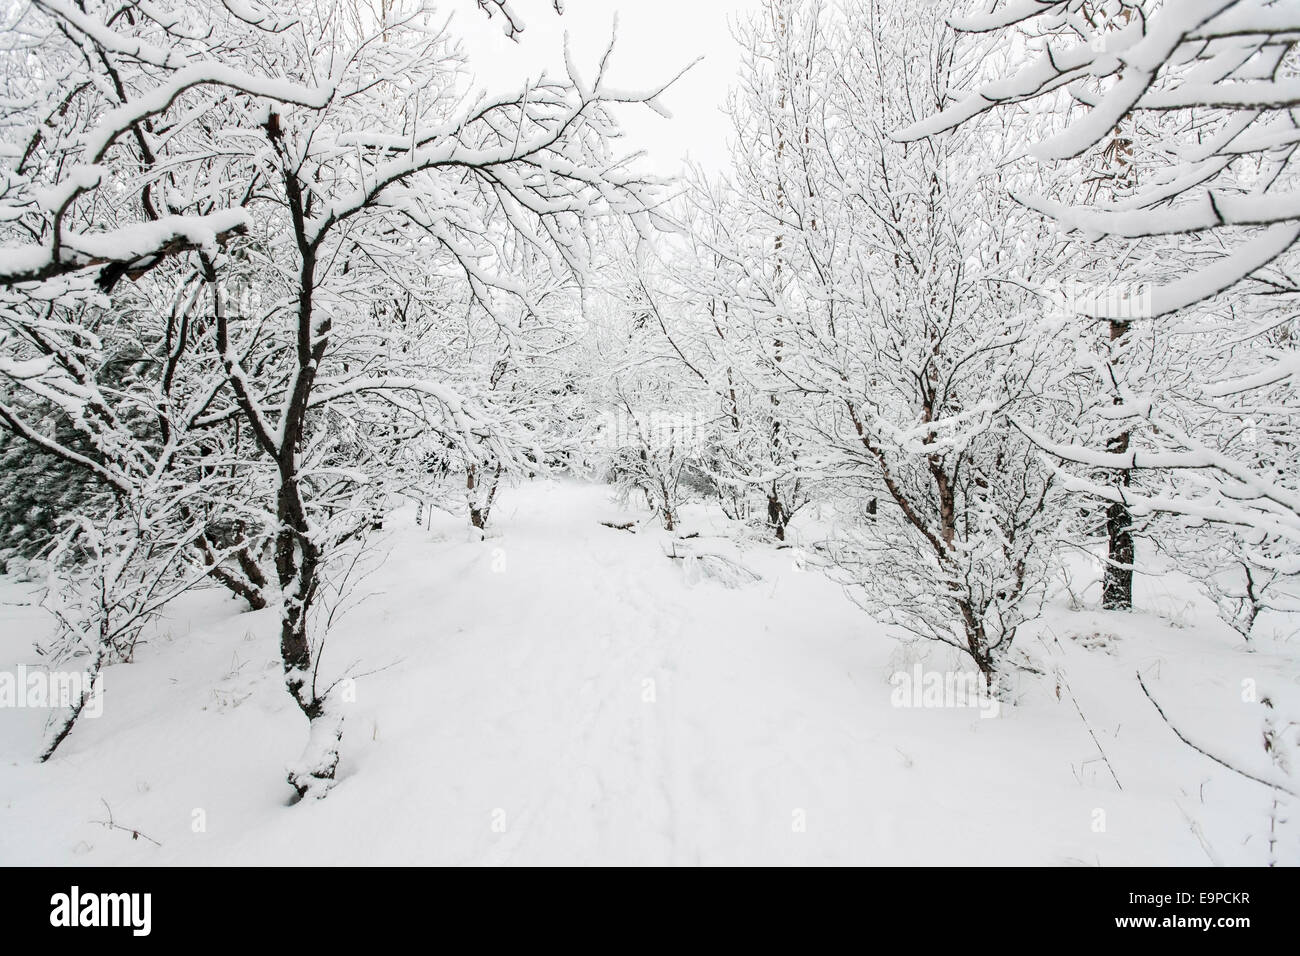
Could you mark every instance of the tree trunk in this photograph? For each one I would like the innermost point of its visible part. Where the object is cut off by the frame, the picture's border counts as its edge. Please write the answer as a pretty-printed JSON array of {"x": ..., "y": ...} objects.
[
  {"x": 977, "y": 644},
  {"x": 776, "y": 516},
  {"x": 480, "y": 503},
  {"x": 1117, "y": 581}
]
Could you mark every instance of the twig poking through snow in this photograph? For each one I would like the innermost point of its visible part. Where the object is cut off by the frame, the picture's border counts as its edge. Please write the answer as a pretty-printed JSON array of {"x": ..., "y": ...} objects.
[
  {"x": 111, "y": 824},
  {"x": 1062, "y": 682}
]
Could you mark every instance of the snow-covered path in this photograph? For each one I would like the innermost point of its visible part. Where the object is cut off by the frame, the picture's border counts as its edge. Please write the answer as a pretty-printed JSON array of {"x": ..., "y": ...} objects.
[{"x": 564, "y": 693}]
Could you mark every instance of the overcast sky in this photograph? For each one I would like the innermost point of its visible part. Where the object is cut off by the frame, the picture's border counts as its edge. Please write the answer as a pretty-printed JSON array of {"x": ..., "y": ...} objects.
[{"x": 656, "y": 38}]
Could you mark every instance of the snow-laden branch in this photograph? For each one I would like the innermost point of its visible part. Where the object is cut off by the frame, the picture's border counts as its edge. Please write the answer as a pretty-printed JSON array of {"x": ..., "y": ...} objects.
[
  {"x": 1227, "y": 63},
  {"x": 136, "y": 243}
]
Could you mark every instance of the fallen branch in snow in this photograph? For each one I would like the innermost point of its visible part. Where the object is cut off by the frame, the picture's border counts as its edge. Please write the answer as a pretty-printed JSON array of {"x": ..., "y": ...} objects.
[
  {"x": 725, "y": 571},
  {"x": 628, "y": 526},
  {"x": 1205, "y": 753}
]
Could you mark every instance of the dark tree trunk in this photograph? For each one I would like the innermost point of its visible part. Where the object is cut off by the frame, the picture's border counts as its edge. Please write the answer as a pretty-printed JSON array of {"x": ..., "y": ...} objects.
[
  {"x": 1117, "y": 581},
  {"x": 480, "y": 505},
  {"x": 977, "y": 644},
  {"x": 250, "y": 585},
  {"x": 239, "y": 587},
  {"x": 295, "y": 565},
  {"x": 776, "y": 516}
]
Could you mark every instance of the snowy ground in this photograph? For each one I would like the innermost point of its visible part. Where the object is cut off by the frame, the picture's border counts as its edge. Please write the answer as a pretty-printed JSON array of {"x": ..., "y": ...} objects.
[{"x": 564, "y": 693}]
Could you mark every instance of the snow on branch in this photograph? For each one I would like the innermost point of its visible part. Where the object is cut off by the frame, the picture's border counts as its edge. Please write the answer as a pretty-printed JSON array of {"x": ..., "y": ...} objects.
[
  {"x": 1205, "y": 86},
  {"x": 128, "y": 247}
]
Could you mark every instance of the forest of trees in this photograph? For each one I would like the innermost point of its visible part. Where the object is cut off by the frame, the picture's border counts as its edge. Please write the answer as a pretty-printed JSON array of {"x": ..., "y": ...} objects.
[{"x": 998, "y": 287}]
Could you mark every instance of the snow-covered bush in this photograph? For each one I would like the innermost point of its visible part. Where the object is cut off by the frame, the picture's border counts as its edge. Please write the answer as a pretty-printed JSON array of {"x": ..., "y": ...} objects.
[{"x": 886, "y": 348}]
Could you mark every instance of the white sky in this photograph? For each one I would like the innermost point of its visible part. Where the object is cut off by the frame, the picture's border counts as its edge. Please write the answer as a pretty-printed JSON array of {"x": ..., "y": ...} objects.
[{"x": 656, "y": 38}]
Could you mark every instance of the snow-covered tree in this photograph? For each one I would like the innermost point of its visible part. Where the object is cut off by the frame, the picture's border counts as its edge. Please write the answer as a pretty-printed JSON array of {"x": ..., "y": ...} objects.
[
  {"x": 1209, "y": 89},
  {"x": 870, "y": 279},
  {"x": 316, "y": 155},
  {"x": 653, "y": 416}
]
